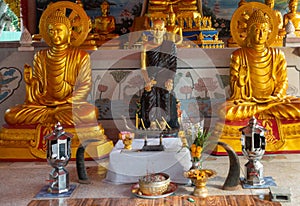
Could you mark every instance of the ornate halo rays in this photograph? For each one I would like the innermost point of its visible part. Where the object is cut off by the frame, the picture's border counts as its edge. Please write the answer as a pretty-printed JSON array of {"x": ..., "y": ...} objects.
[
  {"x": 238, "y": 25},
  {"x": 77, "y": 16}
]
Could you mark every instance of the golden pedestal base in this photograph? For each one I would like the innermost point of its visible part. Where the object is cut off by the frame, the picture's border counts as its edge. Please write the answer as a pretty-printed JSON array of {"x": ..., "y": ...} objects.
[
  {"x": 27, "y": 142},
  {"x": 283, "y": 136}
]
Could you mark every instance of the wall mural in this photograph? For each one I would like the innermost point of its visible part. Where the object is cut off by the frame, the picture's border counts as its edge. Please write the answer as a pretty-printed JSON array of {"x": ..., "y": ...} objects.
[{"x": 10, "y": 79}]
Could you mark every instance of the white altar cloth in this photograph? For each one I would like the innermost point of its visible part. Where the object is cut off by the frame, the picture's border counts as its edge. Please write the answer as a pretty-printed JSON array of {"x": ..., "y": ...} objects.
[{"x": 127, "y": 166}]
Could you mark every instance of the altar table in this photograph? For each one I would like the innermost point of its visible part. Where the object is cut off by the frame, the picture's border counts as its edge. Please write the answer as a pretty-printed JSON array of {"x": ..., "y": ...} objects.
[{"x": 127, "y": 166}]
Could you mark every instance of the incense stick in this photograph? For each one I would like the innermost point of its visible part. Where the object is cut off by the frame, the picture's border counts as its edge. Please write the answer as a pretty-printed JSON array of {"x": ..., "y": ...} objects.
[{"x": 166, "y": 122}]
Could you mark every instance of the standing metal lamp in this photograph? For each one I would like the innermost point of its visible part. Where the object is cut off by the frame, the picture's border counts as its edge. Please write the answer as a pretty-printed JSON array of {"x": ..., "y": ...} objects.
[
  {"x": 253, "y": 148},
  {"x": 58, "y": 156}
]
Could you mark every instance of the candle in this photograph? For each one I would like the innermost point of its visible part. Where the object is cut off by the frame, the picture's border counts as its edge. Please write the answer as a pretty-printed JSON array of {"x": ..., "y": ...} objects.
[
  {"x": 158, "y": 124},
  {"x": 136, "y": 121},
  {"x": 143, "y": 124}
]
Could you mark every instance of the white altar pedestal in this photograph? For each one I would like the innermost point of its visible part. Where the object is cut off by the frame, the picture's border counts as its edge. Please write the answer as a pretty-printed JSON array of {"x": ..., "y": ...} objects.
[{"x": 127, "y": 166}]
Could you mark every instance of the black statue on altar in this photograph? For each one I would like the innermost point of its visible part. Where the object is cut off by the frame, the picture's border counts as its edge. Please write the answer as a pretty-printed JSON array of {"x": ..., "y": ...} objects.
[{"x": 158, "y": 102}]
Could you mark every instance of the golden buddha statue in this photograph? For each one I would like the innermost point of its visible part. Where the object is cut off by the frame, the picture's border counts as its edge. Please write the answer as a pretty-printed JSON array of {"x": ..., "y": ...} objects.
[
  {"x": 257, "y": 85},
  {"x": 58, "y": 84},
  {"x": 174, "y": 32},
  {"x": 104, "y": 25},
  {"x": 258, "y": 75},
  {"x": 293, "y": 16}
]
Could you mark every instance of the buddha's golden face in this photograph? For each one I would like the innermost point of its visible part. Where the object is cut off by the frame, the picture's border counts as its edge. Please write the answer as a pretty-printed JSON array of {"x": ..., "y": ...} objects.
[
  {"x": 259, "y": 33},
  {"x": 293, "y": 6},
  {"x": 58, "y": 33}
]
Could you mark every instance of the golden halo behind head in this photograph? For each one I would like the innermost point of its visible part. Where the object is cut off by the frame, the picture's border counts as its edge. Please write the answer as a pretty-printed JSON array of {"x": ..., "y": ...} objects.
[
  {"x": 74, "y": 17},
  {"x": 242, "y": 17}
]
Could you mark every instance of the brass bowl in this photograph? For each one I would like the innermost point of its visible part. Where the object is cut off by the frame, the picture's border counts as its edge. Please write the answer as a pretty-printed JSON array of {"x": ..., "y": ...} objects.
[{"x": 154, "y": 184}]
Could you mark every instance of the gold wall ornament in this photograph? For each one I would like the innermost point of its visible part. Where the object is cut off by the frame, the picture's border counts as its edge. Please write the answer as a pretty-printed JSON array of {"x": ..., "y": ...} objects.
[
  {"x": 240, "y": 18},
  {"x": 77, "y": 16}
]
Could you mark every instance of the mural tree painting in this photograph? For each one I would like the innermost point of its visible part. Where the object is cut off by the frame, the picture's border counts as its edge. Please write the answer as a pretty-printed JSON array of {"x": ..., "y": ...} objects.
[
  {"x": 102, "y": 88},
  {"x": 119, "y": 77},
  {"x": 186, "y": 90},
  {"x": 205, "y": 85}
]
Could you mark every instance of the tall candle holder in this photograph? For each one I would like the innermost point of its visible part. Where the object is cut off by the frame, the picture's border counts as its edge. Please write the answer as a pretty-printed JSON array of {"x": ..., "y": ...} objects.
[
  {"x": 58, "y": 156},
  {"x": 253, "y": 148}
]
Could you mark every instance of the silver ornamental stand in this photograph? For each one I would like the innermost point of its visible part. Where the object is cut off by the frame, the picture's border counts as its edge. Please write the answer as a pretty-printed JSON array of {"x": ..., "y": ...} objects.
[
  {"x": 253, "y": 148},
  {"x": 58, "y": 156}
]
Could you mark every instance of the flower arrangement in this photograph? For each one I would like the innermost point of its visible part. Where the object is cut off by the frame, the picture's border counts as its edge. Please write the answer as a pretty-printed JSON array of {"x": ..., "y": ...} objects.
[
  {"x": 194, "y": 137},
  {"x": 197, "y": 147},
  {"x": 127, "y": 138}
]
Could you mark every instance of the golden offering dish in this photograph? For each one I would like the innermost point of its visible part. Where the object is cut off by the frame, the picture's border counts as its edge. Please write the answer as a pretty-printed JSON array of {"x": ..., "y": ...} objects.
[
  {"x": 154, "y": 184},
  {"x": 199, "y": 177},
  {"x": 198, "y": 174}
]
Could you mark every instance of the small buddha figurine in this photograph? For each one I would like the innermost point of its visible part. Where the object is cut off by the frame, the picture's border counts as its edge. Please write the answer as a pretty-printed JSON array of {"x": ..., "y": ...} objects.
[
  {"x": 174, "y": 32},
  {"x": 293, "y": 16},
  {"x": 104, "y": 25},
  {"x": 258, "y": 77},
  {"x": 59, "y": 82},
  {"x": 158, "y": 68}
]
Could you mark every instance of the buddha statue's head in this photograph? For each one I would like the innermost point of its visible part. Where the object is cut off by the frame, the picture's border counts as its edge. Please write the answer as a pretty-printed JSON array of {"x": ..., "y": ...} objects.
[
  {"x": 172, "y": 15},
  {"x": 104, "y": 8},
  {"x": 258, "y": 28},
  {"x": 59, "y": 28},
  {"x": 270, "y": 3},
  {"x": 293, "y": 5}
]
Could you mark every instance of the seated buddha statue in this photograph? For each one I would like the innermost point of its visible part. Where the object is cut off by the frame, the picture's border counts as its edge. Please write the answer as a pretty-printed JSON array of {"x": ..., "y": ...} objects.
[
  {"x": 56, "y": 89},
  {"x": 158, "y": 68},
  {"x": 258, "y": 87},
  {"x": 174, "y": 32},
  {"x": 258, "y": 77},
  {"x": 293, "y": 16},
  {"x": 58, "y": 83},
  {"x": 104, "y": 25}
]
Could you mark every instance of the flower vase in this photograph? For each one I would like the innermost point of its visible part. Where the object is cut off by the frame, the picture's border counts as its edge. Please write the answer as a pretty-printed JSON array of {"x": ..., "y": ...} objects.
[
  {"x": 199, "y": 178},
  {"x": 196, "y": 165},
  {"x": 127, "y": 138}
]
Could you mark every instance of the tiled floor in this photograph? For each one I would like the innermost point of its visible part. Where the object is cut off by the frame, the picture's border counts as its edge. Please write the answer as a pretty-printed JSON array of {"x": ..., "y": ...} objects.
[{"x": 21, "y": 181}]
